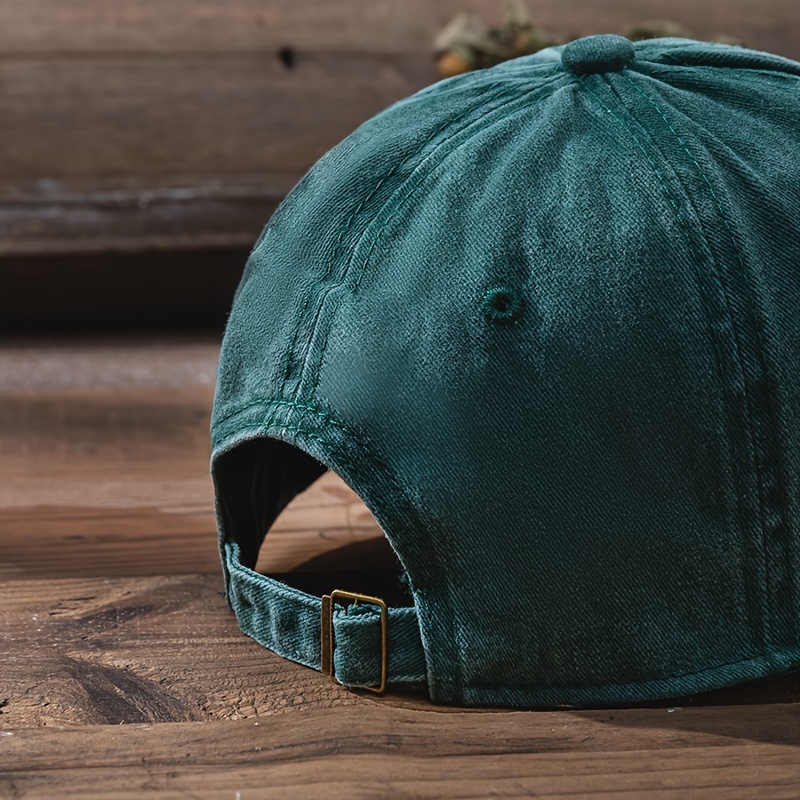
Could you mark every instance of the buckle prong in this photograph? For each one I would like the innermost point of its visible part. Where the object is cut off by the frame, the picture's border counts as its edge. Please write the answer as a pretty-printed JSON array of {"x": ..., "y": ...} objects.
[{"x": 326, "y": 632}]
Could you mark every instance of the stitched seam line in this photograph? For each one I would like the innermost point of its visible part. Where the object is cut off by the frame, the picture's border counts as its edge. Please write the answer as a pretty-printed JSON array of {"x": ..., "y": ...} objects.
[
  {"x": 506, "y": 83},
  {"x": 334, "y": 259},
  {"x": 594, "y": 687},
  {"x": 680, "y": 217},
  {"x": 414, "y": 188},
  {"x": 248, "y": 576},
  {"x": 653, "y": 165},
  {"x": 320, "y": 358},
  {"x": 241, "y": 572},
  {"x": 292, "y": 429},
  {"x": 420, "y": 179},
  {"x": 457, "y": 685},
  {"x": 682, "y": 222},
  {"x": 252, "y": 577},
  {"x": 750, "y": 403},
  {"x": 292, "y": 404}
]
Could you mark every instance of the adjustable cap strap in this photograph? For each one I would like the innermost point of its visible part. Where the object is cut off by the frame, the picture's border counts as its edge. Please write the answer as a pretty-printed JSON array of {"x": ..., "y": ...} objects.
[{"x": 289, "y": 622}]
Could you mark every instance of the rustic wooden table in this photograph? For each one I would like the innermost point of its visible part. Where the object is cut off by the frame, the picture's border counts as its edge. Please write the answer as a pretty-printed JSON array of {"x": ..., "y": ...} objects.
[{"x": 123, "y": 673}]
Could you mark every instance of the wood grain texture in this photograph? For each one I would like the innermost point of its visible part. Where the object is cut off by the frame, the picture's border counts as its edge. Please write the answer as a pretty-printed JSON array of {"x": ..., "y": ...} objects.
[
  {"x": 159, "y": 649},
  {"x": 376, "y": 751},
  {"x": 38, "y": 27},
  {"x": 143, "y": 118},
  {"x": 146, "y": 124},
  {"x": 54, "y": 218},
  {"x": 138, "y": 152}
]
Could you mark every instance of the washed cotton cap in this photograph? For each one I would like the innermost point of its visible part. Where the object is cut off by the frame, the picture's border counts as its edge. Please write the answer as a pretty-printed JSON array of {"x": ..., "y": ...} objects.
[{"x": 543, "y": 319}]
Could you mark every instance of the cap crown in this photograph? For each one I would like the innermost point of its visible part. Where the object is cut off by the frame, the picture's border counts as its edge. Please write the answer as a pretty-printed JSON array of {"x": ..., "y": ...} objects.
[{"x": 544, "y": 320}]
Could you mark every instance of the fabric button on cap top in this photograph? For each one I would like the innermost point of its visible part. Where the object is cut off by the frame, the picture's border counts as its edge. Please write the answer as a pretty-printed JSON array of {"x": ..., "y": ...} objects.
[{"x": 593, "y": 54}]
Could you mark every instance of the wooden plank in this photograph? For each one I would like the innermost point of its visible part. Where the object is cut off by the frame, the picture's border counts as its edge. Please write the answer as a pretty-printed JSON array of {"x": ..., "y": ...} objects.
[
  {"x": 382, "y": 26},
  {"x": 137, "y": 118},
  {"x": 105, "y": 454},
  {"x": 128, "y": 127},
  {"x": 105, "y": 466},
  {"x": 128, "y": 650},
  {"x": 58, "y": 219},
  {"x": 375, "y": 750},
  {"x": 130, "y": 153},
  {"x": 173, "y": 531}
]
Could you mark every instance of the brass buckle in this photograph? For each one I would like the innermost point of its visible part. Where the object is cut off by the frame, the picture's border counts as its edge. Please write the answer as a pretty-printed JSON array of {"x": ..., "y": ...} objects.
[{"x": 326, "y": 632}]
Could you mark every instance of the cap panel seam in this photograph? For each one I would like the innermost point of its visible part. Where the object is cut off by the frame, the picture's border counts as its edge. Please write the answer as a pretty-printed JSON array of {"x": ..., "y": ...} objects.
[
  {"x": 683, "y": 224},
  {"x": 775, "y": 661},
  {"x": 708, "y": 257},
  {"x": 275, "y": 402},
  {"x": 583, "y": 81},
  {"x": 312, "y": 371},
  {"x": 752, "y": 406},
  {"x": 322, "y": 349},
  {"x": 413, "y": 190},
  {"x": 334, "y": 259},
  {"x": 483, "y": 122}
]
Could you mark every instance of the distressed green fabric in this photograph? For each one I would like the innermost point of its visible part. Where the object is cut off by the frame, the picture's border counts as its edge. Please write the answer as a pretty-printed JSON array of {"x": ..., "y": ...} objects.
[{"x": 543, "y": 319}]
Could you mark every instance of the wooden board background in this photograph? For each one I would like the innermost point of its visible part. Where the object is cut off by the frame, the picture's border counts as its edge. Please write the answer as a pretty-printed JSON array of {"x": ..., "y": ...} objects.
[
  {"x": 167, "y": 124},
  {"x": 162, "y": 132}
]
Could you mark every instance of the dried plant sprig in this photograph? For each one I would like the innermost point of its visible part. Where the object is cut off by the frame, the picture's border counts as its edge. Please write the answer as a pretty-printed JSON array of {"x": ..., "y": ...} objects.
[{"x": 467, "y": 43}]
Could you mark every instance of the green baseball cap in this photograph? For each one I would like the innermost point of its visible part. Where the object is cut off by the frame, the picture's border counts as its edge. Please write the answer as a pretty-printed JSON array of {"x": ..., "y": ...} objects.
[{"x": 545, "y": 320}]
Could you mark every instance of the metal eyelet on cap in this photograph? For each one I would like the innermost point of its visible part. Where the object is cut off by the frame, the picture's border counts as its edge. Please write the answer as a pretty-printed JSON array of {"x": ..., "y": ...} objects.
[{"x": 503, "y": 305}]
